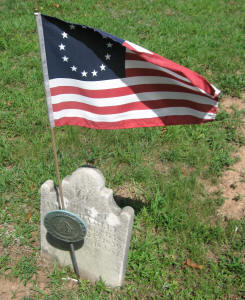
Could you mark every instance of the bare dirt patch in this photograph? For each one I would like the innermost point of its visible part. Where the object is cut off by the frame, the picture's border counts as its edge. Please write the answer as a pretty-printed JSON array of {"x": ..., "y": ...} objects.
[
  {"x": 13, "y": 289},
  {"x": 229, "y": 103},
  {"x": 130, "y": 191},
  {"x": 232, "y": 183}
]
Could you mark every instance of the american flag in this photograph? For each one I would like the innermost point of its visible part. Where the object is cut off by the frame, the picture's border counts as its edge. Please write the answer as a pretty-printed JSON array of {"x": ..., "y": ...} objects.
[{"x": 97, "y": 80}]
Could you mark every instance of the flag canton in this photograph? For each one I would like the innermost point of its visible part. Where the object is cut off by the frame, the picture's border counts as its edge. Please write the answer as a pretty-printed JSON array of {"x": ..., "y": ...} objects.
[{"x": 81, "y": 52}]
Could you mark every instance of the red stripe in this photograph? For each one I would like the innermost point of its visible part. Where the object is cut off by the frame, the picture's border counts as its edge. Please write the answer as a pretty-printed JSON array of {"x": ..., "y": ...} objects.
[
  {"x": 195, "y": 78},
  {"x": 147, "y": 57},
  {"x": 153, "y": 122},
  {"x": 133, "y": 72},
  {"x": 123, "y": 91},
  {"x": 132, "y": 56},
  {"x": 156, "y": 104}
]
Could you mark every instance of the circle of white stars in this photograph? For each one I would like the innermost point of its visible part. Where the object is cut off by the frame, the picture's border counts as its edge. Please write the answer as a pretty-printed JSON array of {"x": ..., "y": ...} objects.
[{"x": 84, "y": 73}]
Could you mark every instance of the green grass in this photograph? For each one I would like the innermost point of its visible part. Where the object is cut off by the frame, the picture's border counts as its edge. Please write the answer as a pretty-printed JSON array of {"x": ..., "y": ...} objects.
[{"x": 176, "y": 216}]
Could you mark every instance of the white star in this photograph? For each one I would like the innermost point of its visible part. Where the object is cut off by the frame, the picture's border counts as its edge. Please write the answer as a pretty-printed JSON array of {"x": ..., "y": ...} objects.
[
  {"x": 84, "y": 73},
  {"x": 109, "y": 45},
  {"x": 64, "y": 34},
  {"x": 62, "y": 47},
  {"x": 65, "y": 58},
  {"x": 94, "y": 73},
  {"x": 74, "y": 69},
  {"x": 102, "y": 67},
  {"x": 72, "y": 26},
  {"x": 107, "y": 56}
]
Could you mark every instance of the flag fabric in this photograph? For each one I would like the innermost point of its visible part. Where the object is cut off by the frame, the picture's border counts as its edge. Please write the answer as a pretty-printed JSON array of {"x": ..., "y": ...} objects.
[{"x": 94, "y": 79}]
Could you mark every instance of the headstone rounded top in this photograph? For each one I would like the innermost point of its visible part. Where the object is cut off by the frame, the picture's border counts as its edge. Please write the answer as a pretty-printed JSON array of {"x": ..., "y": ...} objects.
[
  {"x": 65, "y": 226},
  {"x": 93, "y": 175}
]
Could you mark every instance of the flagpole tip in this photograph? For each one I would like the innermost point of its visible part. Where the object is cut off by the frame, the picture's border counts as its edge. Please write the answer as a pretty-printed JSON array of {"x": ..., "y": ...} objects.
[{"x": 36, "y": 11}]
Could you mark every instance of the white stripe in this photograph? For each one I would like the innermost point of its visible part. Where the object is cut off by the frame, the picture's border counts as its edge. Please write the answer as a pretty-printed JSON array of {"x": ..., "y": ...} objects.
[
  {"x": 88, "y": 85},
  {"x": 117, "y": 83},
  {"x": 136, "y": 114},
  {"x": 147, "y": 65},
  {"x": 138, "y": 48},
  {"x": 217, "y": 91},
  {"x": 129, "y": 51},
  {"x": 148, "y": 96}
]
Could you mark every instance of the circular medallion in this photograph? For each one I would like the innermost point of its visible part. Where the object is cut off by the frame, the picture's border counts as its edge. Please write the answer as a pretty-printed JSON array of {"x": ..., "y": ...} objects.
[{"x": 65, "y": 226}]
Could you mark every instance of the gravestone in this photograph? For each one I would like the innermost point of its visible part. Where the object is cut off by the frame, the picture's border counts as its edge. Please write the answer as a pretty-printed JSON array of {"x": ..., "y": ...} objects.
[{"x": 103, "y": 252}]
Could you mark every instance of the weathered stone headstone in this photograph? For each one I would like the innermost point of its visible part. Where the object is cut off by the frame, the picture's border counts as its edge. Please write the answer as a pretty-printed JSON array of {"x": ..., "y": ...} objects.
[{"x": 104, "y": 251}]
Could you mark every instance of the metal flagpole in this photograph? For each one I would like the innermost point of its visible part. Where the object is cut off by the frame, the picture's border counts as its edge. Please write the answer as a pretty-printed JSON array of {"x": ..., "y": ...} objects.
[
  {"x": 57, "y": 168},
  {"x": 48, "y": 98},
  {"x": 68, "y": 218}
]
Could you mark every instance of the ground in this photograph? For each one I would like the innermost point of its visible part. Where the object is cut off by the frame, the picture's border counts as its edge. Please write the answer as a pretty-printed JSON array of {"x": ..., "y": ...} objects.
[{"x": 231, "y": 184}]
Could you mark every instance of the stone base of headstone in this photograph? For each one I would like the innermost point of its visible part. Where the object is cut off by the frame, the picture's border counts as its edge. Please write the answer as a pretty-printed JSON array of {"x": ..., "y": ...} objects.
[{"x": 103, "y": 252}]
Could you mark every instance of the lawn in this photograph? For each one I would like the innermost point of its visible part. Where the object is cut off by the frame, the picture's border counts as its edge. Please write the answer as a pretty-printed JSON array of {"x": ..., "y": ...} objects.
[{"x": 167, "y": 174}]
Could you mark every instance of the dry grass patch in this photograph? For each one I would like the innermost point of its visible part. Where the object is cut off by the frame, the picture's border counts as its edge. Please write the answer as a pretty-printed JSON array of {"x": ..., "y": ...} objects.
[{"x": 232, "y": 184}]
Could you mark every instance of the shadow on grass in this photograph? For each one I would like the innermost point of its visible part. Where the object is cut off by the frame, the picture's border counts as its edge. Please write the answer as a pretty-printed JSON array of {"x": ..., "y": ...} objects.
[{"x": 136, "y": 204}]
